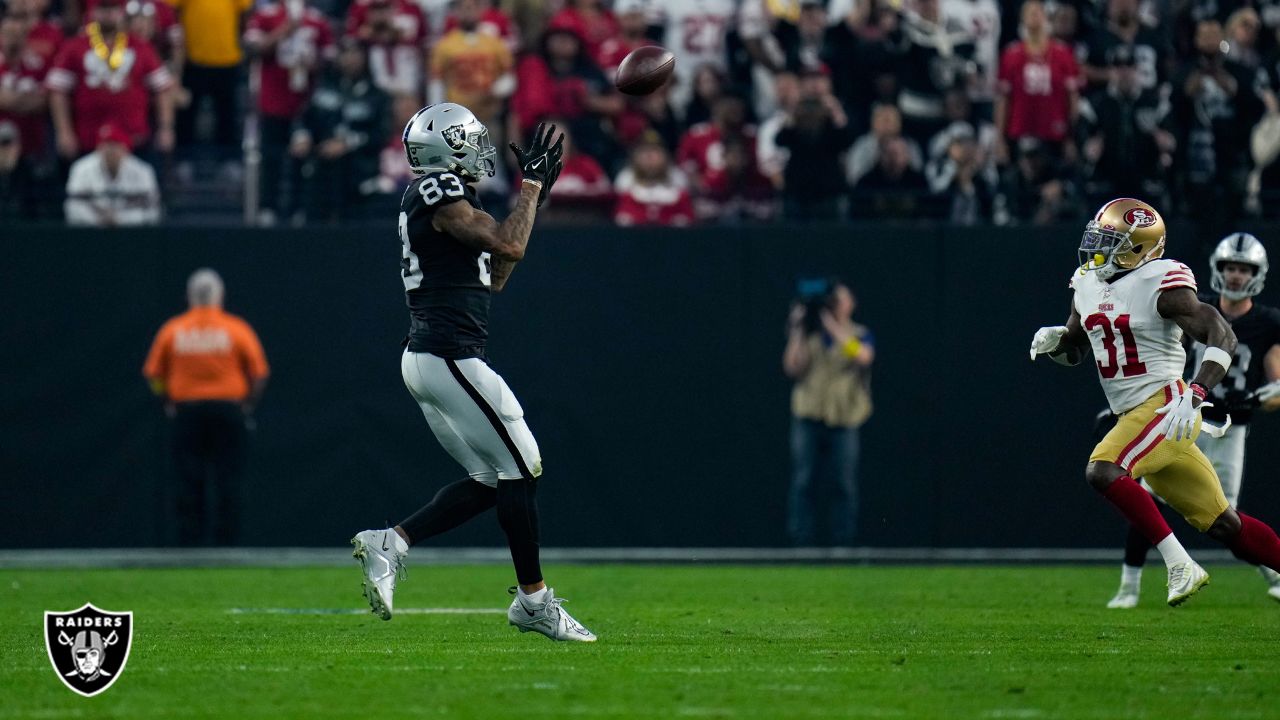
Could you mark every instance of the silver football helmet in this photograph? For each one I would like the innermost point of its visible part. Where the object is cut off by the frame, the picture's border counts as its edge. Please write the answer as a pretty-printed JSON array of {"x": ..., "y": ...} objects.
[
  {"x": 448, "y": 137},
  {"x": 1238, "y": 248}
]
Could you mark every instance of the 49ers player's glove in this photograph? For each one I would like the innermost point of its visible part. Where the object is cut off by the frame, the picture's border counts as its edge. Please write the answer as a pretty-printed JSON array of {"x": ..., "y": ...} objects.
[
  {"x": 1268, "y": 392},
  {"x": 1180, "y": 415},
  {"x": 1046, "y": 340}
]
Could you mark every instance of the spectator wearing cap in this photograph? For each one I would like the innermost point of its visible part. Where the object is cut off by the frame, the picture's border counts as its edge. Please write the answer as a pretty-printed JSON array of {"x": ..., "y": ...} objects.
[
  {"x": 110, "y": 187},
  {"x": 816, "y": 135},
  {"x": 1039, "y": 88},
  {"x": 212, "y": 71},
  {"x": 592, "y": 22},
  {"x": 650, "y": 190},
  {"x": 561, "y": 80},
  {"x": 104, "y": 75},
  {"x": 289, "y": 42},
  {"x": 1127, "y": 145},
  {"x": 341, "y": 135}
]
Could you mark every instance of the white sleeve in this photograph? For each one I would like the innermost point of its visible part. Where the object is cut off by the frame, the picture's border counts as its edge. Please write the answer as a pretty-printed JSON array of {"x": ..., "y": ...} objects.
[{"x": 79, "y": 210}]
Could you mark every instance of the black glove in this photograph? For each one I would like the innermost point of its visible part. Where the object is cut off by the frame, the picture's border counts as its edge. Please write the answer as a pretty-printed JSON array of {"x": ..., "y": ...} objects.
[
  {"x": 542, "y": 160},
  {"x": 1103, "y": 422},
  {"x": 551, "y": 180}
]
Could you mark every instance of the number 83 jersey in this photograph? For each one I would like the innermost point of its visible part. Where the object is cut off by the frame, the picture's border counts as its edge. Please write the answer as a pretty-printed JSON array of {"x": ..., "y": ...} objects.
[
  {"x": 1137, "y": 351},
  {"x": 446, "y": 283}
]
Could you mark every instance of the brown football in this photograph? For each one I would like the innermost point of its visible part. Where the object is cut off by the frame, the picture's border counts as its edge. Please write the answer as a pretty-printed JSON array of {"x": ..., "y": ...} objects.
[{"x": 644, "y": 70}]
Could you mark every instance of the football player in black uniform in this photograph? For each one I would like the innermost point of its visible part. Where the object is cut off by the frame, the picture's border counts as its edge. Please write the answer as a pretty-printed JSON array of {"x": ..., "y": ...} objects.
[
  {"x": 454, "y": 255},
  {"x": 1238, "y": 269}
]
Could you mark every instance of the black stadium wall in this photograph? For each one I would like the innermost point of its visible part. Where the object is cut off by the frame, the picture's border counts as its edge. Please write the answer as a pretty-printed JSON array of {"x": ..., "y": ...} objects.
[{"x": 647, "y": 361}]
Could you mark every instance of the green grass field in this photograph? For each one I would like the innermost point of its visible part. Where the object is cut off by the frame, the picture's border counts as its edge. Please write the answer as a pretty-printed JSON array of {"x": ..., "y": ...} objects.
[{"x": 684, "y": 641}]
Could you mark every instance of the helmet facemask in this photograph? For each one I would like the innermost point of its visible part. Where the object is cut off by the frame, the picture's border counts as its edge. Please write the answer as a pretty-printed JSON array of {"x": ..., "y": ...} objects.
[
  {"x": 1218, "y": 282},
  {"x": 1107, "y": 251},
  {"x": 476, "y": 159}
]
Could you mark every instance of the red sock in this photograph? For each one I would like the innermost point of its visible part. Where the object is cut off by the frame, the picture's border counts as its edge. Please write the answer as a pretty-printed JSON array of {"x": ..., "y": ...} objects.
[
  {"x": 1257, "y": 543},
  {"x": 1138, "y": 508}
]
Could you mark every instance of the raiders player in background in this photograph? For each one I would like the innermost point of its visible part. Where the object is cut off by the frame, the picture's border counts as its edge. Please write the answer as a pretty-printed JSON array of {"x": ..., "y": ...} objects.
[
  {"x": 1238, "y": 268},
  {"x": 454, "y": 256}
]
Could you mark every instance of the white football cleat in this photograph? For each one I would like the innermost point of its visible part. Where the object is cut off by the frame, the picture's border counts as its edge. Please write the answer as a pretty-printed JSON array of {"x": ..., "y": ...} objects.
[
  {"x": 1185, "y": 580},
  {"x": 1273, "y": 579},
  {"x": 382, "y": 561},
  {"x": 547, "y": 617},
  {"x": 1125, "y": 599}
]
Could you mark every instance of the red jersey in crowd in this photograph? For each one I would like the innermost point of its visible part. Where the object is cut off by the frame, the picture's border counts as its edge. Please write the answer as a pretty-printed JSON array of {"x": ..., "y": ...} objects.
[
  {"x": 701, "y": 150},
  {"x": 25, "y": 73},
  {"x": 613, "y": 50},
  {"x": 592, "y": 30},
  {"x": 664, "y": 203},
  {"x": 493, "y": 22},
  {"x": 100, "y": 93},
  {"x": 409, "y": 20},
  {"x": 288, "y": 71},
  {"x": 582, "y": 180},
  {"x": 168, "y": 30},
  {"x": 540, "y": 95},
  {"x": 1038, "y": 90}
]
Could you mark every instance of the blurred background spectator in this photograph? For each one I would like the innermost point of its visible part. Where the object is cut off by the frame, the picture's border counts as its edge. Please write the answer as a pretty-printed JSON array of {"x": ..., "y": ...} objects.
[
  {"x": 815, "y": 136},
  {"x": 650, "y": 190},
  {"x": 110, "y": 187},
  {"x": 582, "y": 193},
  {"x": 892, "y": 190},
  {"x": 212, "y": 72},
  {"x": 1038, "y": 89}
]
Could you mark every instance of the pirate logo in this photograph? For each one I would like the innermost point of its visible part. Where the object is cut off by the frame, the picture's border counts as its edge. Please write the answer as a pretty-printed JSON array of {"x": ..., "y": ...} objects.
[
  {"x": 88, "y": 647},
  {"x": 455, "y": 136}
]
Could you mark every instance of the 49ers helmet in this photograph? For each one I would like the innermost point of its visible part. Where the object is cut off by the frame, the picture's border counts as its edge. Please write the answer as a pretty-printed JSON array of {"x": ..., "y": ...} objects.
[
  {"x": 1124, "y": 234},
  {"x": 1238, "y": 248}
]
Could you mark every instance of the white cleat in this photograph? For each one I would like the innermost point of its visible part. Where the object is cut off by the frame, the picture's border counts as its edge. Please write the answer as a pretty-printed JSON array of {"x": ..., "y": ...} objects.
[
  {"x": 382, "y": 561},
  {"x": 1185, "y": 580},
  {"x": 1126, "y": 598},
  {"x": 1274, "y": 592},
  {"x": 548, "y": 618}
]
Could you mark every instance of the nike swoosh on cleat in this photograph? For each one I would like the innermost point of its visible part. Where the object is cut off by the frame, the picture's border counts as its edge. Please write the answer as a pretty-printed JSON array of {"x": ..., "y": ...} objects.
[
  {"x": 384, "y": 541},
  {"x": 531, "y": 613}
]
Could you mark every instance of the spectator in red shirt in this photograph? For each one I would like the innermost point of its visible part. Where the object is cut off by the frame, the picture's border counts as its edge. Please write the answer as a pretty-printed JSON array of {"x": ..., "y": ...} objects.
[
  {"x": 633, "y": 26},
  {"x": 290, "y": 42},
  {"x": 589, "y": 20},
  {"x": 562, "y": 81},
  {"x": 1038, "y": 87},
  {"x": 650, "y": 191},
  {"x": 701, "y": 153},
  {"x": 23, "y": 101},
  {"x": 736, "y": 191},
  {"x": 582, "y": 193},
  {"x": 105, "y": 74},
  {"x": 396, "y": 60},
  {"x": 44, "y": 36}
]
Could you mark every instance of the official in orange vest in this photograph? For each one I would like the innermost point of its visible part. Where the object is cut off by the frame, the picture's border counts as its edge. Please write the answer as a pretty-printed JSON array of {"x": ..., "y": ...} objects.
[{"x": 209, "y": 367}]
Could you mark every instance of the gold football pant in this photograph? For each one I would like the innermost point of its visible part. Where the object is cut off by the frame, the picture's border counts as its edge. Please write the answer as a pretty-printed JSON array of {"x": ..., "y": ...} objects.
[{"x": 1177, "y": 470}]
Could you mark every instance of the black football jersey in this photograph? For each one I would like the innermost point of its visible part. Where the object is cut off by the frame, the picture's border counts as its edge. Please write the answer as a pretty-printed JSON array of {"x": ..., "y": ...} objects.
[
  {"x": 446, "y": 283},
  {"x": 1256, "y": 331}
]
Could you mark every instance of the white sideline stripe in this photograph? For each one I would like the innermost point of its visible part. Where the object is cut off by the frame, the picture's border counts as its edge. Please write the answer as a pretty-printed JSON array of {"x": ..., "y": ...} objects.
[
  {"x": 107, "y": 558},
  {"x": 361, "y": 611}
]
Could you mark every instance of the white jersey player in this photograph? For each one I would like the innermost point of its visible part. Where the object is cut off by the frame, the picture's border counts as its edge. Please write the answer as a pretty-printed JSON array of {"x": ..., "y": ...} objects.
[
  {"x": 1131, "y": 309},
  {"x": 695, "y": 31}
]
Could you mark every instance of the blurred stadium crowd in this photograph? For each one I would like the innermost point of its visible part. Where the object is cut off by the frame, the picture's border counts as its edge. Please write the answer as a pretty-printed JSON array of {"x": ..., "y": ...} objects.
[{"x": 967, "y": 111}]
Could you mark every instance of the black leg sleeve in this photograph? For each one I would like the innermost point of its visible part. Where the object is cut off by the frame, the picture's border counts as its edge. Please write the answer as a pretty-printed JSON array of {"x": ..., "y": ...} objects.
[
  {"x": 518, "y": 516},
  {"x": 455, "y": 504},
  {"x": 1136, "y": 546}
]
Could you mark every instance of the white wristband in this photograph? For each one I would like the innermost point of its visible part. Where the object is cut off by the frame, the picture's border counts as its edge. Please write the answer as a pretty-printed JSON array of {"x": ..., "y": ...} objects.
[{"x": 1218, "y": 355}]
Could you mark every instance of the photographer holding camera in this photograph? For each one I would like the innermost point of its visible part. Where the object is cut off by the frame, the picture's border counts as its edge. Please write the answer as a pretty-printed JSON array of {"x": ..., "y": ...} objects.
[{"x": 829, "y": 357}]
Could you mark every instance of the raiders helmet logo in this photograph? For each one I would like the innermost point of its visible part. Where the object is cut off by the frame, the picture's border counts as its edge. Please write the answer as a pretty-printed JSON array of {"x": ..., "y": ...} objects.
[
  {"x": 455, "y": 136},
  {"x": 1139, "y": 217},
  {"x": 88, "y": 647}
]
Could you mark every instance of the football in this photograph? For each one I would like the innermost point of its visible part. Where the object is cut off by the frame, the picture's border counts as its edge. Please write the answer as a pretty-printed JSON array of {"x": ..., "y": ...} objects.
[{"x": 644, "y": 70}]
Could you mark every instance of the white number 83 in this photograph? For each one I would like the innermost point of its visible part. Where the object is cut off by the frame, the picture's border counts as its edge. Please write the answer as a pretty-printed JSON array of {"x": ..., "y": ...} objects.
[{"x": 431, "y": 190}]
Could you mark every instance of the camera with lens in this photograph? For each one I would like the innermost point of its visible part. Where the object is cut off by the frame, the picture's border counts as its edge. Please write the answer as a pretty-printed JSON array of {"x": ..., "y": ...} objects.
[{"x": 814, "y": 294}]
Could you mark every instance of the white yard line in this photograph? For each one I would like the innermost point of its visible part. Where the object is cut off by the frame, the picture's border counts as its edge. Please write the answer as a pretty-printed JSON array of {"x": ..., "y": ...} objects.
[{"x": 362, "y": 611}]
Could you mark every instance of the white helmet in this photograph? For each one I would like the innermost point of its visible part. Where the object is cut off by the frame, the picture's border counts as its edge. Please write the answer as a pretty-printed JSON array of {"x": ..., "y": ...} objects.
[
  {"x": 447, "y": 137},
  {"x": 1238, "y": 248}
]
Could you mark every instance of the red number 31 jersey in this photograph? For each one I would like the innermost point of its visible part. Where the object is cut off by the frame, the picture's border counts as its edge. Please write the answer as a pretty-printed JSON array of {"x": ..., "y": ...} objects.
[{"x": 1137, "y": 351}]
